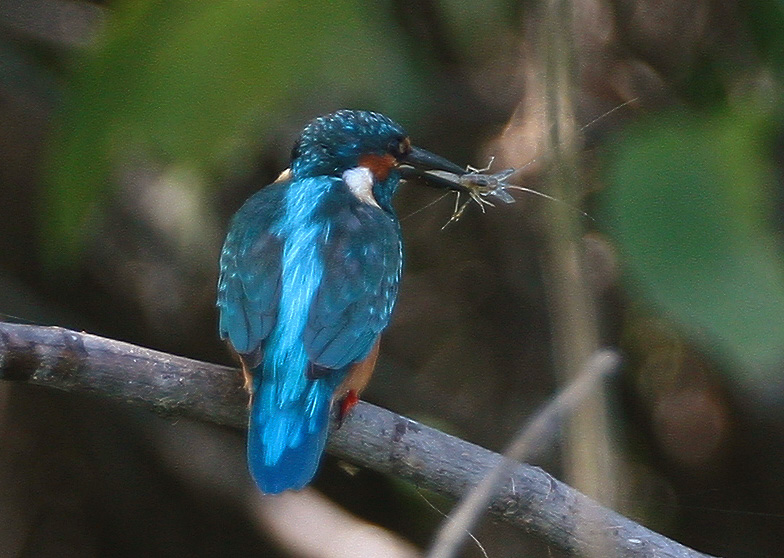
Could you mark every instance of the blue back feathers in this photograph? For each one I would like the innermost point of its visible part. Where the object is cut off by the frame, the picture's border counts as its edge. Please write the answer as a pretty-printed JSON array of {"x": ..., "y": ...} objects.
[{"x": 308, "y": 276}]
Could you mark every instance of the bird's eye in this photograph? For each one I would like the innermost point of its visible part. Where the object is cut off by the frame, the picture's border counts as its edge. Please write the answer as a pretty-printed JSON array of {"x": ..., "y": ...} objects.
[{"x": 400, "y": 146}]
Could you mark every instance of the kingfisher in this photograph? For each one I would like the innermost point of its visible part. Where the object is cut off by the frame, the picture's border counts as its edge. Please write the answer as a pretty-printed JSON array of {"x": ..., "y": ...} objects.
[{"x": 309, "y": 275}]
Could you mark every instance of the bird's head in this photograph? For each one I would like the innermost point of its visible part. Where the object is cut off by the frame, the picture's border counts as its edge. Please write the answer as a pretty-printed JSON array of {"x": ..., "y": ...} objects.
[{"x": 365, "y": 144}]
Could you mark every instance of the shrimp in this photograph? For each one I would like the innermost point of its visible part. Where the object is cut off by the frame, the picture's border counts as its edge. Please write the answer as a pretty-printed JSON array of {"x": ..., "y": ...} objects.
[{"x": 478, "y": 186}]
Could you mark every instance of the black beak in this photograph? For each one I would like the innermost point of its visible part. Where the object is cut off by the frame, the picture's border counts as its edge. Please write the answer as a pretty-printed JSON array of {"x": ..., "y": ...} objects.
[
  {"x": 432, "y": 169},
  {"x": 430, "y": 161}
]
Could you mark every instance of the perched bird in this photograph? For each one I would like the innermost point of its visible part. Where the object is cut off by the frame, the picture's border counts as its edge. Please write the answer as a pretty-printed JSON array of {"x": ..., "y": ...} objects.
[{"x": 308, "y": 278}]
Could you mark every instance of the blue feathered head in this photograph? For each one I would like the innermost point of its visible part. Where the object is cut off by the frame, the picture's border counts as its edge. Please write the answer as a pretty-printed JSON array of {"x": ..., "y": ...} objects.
[{"x": 331, "y": 144}]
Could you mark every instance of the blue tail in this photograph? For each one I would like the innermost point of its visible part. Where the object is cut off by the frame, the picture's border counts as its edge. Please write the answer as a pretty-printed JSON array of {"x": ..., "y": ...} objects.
[{"x": 286, "y": 439}]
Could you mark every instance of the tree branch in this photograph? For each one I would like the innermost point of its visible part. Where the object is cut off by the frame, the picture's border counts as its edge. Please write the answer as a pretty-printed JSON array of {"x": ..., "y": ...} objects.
[
  {"x": 540, "y": 430},
  {"x": 371, "y": 436}
]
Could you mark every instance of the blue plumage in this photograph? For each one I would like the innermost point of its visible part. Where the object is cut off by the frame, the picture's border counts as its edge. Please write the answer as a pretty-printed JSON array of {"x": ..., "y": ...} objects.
[{"x": 308, "y": 278}]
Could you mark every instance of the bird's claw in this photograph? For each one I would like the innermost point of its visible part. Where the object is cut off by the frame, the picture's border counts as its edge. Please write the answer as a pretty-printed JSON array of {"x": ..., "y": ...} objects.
[{"x": 346, "y": 404}]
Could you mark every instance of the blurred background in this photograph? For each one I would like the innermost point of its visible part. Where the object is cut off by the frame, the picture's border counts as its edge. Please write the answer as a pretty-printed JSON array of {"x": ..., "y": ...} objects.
[{"x": 131, "y": 131}]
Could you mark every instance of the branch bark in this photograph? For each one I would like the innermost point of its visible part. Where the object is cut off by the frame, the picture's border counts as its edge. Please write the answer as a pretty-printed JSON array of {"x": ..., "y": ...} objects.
[
  {"x": 540, "y": 430},
  {"x": 370, "y": 437}
]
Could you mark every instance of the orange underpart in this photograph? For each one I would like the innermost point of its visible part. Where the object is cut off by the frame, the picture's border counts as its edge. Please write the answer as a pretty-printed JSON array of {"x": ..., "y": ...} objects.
[
  {"x": 357, "y": 378},
  {"x": 379, "y": 165}
]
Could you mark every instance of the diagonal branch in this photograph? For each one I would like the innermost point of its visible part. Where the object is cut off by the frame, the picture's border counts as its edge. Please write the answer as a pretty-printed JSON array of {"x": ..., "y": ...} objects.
[
  {"x": 371, "y": 436},
  {"x": 539, "y": 431}
]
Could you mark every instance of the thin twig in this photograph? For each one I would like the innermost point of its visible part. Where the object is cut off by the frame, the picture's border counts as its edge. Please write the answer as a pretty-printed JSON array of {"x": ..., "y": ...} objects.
[
  {"x": 540, "y": 430},
  {"x": 370, "y": 437}
]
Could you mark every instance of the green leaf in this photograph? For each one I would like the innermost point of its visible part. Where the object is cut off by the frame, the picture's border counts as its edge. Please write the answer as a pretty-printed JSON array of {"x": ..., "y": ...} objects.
[
  {"x": 689, "y": 204},
  {"x": 188, "y": 82},
  {"x": 765, "y": 21}
]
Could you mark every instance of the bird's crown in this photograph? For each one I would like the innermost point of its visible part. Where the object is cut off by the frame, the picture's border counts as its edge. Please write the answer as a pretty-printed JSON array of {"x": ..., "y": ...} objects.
[{"x": 333, "y": 143}]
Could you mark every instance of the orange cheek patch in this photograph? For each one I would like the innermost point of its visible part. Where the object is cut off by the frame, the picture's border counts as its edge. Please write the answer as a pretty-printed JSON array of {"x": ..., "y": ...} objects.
[{"x": 379, "y": 165}]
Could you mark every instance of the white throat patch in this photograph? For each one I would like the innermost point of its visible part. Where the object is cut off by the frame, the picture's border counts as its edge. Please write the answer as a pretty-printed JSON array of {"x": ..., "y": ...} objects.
[{"x": 360, "y": 181}]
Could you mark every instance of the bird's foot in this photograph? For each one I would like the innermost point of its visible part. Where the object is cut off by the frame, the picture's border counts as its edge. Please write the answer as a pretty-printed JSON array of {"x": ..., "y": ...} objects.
[{"x": 346, "y": 404}]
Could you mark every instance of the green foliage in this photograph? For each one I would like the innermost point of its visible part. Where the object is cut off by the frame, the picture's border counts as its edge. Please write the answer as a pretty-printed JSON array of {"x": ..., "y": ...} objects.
[
  {"x": 189, "y": 82},
  {"x": 690, "y": 204},
  {"x": 766, "y": 25},
  {"x": 478, "y": 29}
]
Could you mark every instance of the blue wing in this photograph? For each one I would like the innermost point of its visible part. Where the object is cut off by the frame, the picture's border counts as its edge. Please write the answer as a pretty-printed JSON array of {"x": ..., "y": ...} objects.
[
  {"x": 250, "y": 273},
  {"x": 362, "y": 261},
  {"x": 340, "y": 261}
]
